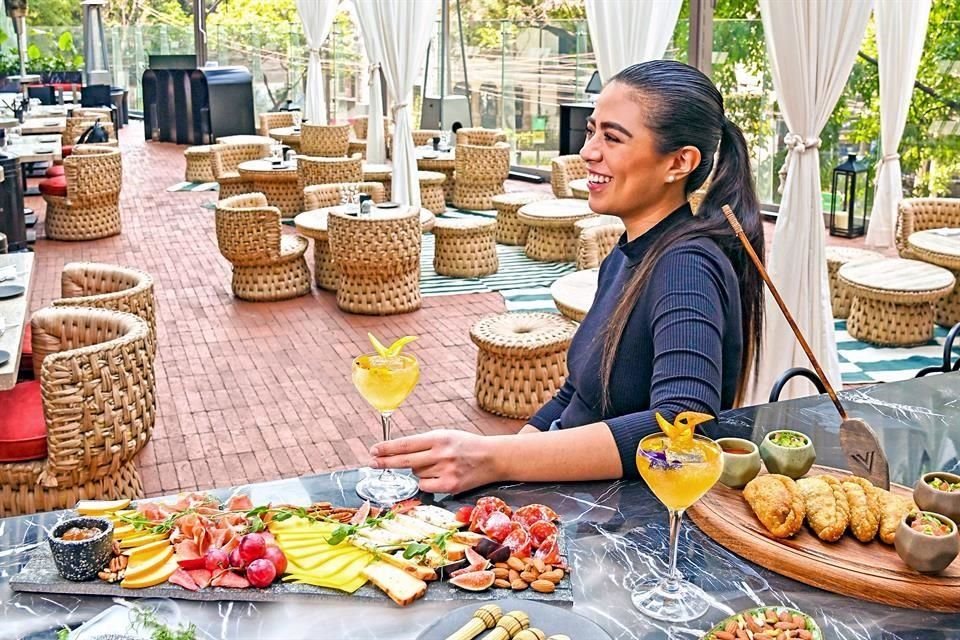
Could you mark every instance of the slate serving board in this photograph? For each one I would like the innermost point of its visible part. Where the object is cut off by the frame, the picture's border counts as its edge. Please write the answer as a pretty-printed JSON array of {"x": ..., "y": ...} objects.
[{"x": 40, "y": 575}]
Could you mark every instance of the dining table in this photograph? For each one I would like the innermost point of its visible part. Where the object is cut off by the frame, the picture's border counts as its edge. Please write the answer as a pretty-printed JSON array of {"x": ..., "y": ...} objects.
[
  {"x": 616, "y": 536},
  {"x": 941, "y": 247},
  {"x": 16, "y": 269}
]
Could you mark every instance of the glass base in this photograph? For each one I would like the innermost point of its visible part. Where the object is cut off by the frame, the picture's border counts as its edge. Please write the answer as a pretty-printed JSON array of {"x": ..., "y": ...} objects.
[
  {"x": 655, "y": 599},
  {"x": 388, "y": 488}
]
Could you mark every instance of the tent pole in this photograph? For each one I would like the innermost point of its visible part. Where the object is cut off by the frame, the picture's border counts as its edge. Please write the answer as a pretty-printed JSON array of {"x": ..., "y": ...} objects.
[
  {"x": 444, "y": 52},
  {"x": 700, "y": 46},
  {"x": 200, "y": 31}
]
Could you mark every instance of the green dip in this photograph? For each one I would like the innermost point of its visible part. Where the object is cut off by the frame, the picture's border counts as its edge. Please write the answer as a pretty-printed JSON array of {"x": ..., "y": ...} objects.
[{"x": 789, "y": 440}]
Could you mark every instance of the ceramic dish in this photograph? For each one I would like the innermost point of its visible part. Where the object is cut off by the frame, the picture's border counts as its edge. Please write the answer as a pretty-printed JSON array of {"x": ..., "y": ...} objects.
[
  {"x": 48, "y": 139},
  {"x": 943, "y": 502},
  {"x": 793, "y": 461},
  {"x": 80, "y": 560},
  {"x": 550, "y": 619},
  {"x": 4, "y": 357},
  {"x": 388, "y": 205},
  {"x": 741, "y": 622},
  {"x": 10, "y": 291}
]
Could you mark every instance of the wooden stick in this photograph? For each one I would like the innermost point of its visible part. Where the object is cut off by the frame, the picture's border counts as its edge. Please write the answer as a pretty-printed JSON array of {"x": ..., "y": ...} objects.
[{"x": 732, "y": 219}]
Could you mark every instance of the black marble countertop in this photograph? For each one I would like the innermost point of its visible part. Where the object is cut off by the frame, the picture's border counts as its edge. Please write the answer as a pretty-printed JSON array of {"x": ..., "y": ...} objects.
[{"x": 617, "y": 537}]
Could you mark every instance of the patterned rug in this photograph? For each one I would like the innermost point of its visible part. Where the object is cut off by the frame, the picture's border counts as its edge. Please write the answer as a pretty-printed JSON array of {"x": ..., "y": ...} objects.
[{"x": 193, "y": 186}]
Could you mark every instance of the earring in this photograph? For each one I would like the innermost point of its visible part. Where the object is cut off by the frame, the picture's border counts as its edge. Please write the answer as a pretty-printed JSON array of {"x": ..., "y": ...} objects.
[{"x": 669, "y": 178}]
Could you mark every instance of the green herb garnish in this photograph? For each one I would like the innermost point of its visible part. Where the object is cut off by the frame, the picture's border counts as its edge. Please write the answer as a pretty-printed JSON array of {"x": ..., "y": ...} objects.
[
  {"x": 788, "y": 439},
  {"x": 420, "y": 549},
  {"x": 146, "y": 620}
]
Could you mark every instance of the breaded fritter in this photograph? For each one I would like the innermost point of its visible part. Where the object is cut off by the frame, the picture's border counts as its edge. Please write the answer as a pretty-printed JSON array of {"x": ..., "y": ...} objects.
[
  {"x": 864, "y": 508},
  {"x": 826, "y": 507},
  {"x": 777, "y": 502},
  {"x": 893, "y": 509}
]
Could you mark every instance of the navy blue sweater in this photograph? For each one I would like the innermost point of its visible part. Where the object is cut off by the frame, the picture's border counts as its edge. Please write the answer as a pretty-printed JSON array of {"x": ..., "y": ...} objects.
[{"x": 680, "y": 350}]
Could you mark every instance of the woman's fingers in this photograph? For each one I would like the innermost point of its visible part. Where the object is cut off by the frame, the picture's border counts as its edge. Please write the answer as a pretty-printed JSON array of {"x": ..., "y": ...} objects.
[
  {"x": 405, "y": 461},
  {"x": 408, "y": 444}
]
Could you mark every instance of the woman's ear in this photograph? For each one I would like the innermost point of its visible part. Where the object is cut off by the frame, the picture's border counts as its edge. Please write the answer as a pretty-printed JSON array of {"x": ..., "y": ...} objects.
[{"x": 685, "y": 160}]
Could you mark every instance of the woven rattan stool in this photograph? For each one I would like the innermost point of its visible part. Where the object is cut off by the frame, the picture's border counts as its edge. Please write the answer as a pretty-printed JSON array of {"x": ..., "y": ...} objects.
[
  {"x": 431, "y": 190},
  {"x": 840, "y": 298},
  {"x": 553, "y": 238},
  {"x": 382, "y": 173},
  {"x": 509, "y": 228},
  {"x": 199, "y": 168},
  {"x": 466, "y": 247},
  {"x": 892, "y": 300},
  {"x": 596, "y": 238},
  {"x": 521, "y": 361},
  {"x": 574, "y": 293},
  {"x": 378, "y": 257},
  {"x": 940, "y": 247}
]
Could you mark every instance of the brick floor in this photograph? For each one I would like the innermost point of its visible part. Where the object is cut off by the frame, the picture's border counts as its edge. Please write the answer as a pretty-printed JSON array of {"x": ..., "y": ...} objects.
[{"x": 249, "y": 392}]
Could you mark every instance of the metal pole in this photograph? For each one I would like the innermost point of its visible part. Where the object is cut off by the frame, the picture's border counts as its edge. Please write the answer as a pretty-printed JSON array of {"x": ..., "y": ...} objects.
[
  {"x": 463, "y": 56},
  {"x": 444, "y": 52},
  {"x": 700, "y": 46},
  {"x": 200, "y": 31}
]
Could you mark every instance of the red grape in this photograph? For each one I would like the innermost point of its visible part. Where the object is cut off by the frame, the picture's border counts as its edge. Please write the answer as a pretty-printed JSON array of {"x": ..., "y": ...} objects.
[
  {"x": 252, "y": 547},
  {"x": 235, "y": 560},
  {"x": 274, "y": 555},
  {"x": 215, "y": 560},
  {"x": 261, "y": 573}
]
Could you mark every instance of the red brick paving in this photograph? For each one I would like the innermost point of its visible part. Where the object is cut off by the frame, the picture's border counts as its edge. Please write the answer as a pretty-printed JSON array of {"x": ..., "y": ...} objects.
[{"x": 251, "y": 392}]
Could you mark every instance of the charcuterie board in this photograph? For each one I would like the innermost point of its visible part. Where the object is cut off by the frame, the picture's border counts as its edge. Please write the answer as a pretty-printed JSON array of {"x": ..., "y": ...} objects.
[{"x": 869, "y": 571}]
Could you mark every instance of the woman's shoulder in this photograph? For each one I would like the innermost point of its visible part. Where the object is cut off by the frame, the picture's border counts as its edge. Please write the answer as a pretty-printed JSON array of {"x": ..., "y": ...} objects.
[{"x": 699, "y": 251}]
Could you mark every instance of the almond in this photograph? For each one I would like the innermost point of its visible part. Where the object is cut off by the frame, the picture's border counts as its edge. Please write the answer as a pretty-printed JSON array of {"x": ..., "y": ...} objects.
[
  {"x": 518, "y": 585},
  {"x": 554, "y": 576},
  {"x": 501, "y": 584},
  {"x": 529, "y": 576},
  {"x": 543, "y": 586},
  {"x": 501, "y": 574},
  {"x": 513, "y": 575},
  {"x": 516, "y": 564},
  {"x": 538, "y": 563}
]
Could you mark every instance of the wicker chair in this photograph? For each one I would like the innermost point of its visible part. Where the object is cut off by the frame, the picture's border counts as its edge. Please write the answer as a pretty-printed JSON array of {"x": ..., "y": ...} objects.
[
  {"x": 328, "y": 141},
  {"x": 480, "y": 136},
  {"x": 318, "y": 196},
  {"x": 379, "y": 261},
  {"x": 75, "y": 126},
  {"x": 597, "y": 238},
  {"x": 97, "y": 396},
  {"x": 225, "y": 158},
  {"x": 563, "y": 169},
  {"x": 313, "y": 170},
  {"x": 86, "y": 204},
  {"x": 360, "y": 125},
  {"x": 275, "y": 120},
  {"x": 509, "y": 228},
  {"x": 423, "y": 137},
  {"x": 920, "y": 214},
  {"x": 480, "y": 174},
  {"x": 267, "y": 265}
]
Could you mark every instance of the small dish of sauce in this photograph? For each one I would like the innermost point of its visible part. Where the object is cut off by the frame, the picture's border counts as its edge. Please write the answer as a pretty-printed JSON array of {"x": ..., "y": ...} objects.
[{"x": 74, "y": 534}]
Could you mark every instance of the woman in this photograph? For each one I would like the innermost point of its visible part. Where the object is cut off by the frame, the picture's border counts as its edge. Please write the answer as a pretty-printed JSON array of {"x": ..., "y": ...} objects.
[{"x": 678, "y": 314}]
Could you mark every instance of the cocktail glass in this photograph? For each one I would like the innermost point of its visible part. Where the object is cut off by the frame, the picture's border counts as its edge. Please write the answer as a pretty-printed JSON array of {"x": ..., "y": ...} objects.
[
  {"x": 678, "y": 477},
  {"x": 385, "y": 382}
]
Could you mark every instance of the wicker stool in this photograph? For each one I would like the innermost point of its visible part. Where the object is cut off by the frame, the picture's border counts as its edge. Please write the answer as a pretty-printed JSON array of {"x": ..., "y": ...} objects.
[
  {"x": 509, "y": 228},
  {"x": 840, "y": 298},
  {"x": 382, "y": 173},
  {"x": 378, "y": 257},
  {"x": 431, "y": 190},
  {"x": 199, "y": 168},
  {"x": 466, "y": 247},
  {"x": 574, "y": 293},
  {"x": 553, "y": 238},
  {"x": 521, "y": 361},
  {"x": 596, "y": 238},
  {"x": 892, "y": 300}
]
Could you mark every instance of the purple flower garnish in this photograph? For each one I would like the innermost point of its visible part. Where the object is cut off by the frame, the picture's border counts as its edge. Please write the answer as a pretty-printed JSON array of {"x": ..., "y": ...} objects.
[{"x": 658, "y": 460}]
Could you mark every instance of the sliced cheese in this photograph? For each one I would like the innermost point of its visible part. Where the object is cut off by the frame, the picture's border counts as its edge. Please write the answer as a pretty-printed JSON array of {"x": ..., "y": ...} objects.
[
  {"x": 414, "y": 523},
  {"x": 437, "y": 516}
]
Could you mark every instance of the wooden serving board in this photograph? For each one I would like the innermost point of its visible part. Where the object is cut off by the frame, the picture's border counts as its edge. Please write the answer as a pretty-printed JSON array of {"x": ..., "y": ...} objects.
[{"x": 870, "y": 571}]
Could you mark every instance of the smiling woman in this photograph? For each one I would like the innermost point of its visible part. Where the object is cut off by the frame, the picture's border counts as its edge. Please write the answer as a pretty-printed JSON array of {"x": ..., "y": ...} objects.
[{"x": 677, "y": 319}]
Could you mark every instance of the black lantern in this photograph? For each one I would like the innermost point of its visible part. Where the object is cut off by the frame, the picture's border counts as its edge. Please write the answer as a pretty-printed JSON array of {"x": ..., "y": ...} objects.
[{"x": 850, "y": 184}]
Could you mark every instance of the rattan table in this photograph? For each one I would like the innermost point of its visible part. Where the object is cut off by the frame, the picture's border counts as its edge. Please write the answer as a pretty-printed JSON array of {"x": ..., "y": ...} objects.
[
  {"x": 942, "y": 248},
  {"x": 14, "y": 314},
  {"x": 893, "y": 299},
  {"x": 837, "y": 256},
  {"x": 289, "y": 136},
  {"x": 553, "y": 237},
  {"x": 279, "y": 182},
  {"x": 442, "y": 162},
  {"x": 509, "y": 228},
  {"x": 579, "y": 188},
  {"x": 573, "y": 293}
]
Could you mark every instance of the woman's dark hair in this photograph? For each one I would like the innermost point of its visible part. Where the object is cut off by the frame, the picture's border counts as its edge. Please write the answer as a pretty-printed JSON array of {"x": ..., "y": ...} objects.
[{"x": 684, "y": 108}]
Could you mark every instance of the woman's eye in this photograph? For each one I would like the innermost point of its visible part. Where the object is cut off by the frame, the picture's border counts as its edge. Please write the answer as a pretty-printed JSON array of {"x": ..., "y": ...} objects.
[
  {"x": 610, "y": 138},
  {"x": 589, "y": 132}
]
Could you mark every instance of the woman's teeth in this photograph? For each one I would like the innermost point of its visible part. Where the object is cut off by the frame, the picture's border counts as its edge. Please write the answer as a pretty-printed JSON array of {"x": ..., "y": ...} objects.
[{"x": 593, "y": 177}]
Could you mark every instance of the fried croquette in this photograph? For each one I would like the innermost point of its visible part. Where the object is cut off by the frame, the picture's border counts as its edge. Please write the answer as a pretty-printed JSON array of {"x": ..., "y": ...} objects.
[
  {"x": 864, "y": 508},
  {"x": 828, "y": 513},
  {"x": 777, "y": 502}
]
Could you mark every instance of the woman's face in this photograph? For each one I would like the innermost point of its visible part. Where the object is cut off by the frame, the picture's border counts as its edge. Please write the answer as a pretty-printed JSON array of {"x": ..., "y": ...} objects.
[{"x": 627, "y": 175}]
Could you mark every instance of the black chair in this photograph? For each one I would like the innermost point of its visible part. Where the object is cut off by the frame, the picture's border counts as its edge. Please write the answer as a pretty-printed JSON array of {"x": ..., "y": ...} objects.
[
  {"x": 45, "y": 93},
  {"x": 947, "y": 365},
  {"x": 789, "y": 374},
  {"x": 95, "y": 95}
]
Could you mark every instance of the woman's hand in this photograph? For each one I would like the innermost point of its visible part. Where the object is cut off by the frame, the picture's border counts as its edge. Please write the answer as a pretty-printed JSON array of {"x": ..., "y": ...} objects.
[{"x": 446, "y": 461}]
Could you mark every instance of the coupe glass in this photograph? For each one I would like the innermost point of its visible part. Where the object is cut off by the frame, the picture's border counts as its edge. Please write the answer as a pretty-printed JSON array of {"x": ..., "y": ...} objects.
[
  {"x": 385, "y": 382},
  {"x": 678, "y": 477}
]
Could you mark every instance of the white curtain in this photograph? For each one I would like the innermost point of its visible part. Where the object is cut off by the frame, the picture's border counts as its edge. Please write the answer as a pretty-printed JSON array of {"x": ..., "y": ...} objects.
[
  {"x": 901, "y": 29},
  {"x": 317, "y": 17},
  {"x": 625, "y": 32},
  {"x": 376, "y": 138},
  {"x": 812, "y": 45},
  {"x": 398, "y": 38}
]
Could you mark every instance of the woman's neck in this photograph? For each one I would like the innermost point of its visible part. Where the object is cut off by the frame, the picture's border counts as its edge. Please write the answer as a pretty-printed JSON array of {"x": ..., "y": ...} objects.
[{"x": 641, "y": 221}]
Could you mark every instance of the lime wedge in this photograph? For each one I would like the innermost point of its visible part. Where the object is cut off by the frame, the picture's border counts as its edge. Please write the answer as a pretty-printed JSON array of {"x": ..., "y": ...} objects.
[
  {"x": 382, "y": 350},
  {"x": 398, "y": 345}
]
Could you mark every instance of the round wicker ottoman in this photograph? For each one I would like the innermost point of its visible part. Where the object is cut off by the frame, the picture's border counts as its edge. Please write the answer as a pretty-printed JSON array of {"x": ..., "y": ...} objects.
[
  {"x": 940, "y": 247},
  {"x": 509, "y": 228},
  {"x": 893, "y": 300},
  {"x": 521, "y": 361},
  {"x": 596, "y": 238},
  {"x": 378, "y": 256},
  {"x": 553, "y": 238},
  {"x": 313, "y": 224},
  {"x": 837, "y": 257},
  {"x": 199, "y": 167},
  {"x": 465, "y": 247},
  {"x": 431, "y": 190},
  {"x": 382, "y": 173},
  {"x": 574, "y": 293}
]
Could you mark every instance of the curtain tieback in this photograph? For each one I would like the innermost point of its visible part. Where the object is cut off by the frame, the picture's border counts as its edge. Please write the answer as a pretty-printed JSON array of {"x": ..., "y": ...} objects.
[
  {"x": 888, "y": 158},
  {"x": 313, "y": 51},
  {"x": 395, "y": 108},
  {"x": 798, "y": 144},
  {"x": 372, "y": 72}
]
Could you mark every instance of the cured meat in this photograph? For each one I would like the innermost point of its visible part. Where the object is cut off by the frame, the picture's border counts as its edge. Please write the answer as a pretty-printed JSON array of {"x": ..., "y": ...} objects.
[
  {"x": 184, "y": 579},
  {"x": 519, "y": 541},
  {"x": 497, "y": 526},
  {"x": 239, "y": 503},
  {"x": 540, "y": 531},
  {"x": 187, "y": 550},
  {"x": 230, "y": 580},
  {"x": 549, "y": 551},
  {"x": 201, "y": 576},
  {"x": 533, "y": 513}
]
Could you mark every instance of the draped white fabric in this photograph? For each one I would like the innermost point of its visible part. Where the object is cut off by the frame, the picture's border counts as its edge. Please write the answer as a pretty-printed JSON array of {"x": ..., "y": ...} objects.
[
  {"x": 812, "y": 45},
  {"x": 376, "y": 136},
  {"x": 901, "y": 29},
  {"x": 397, "y": 39},
  {"x": 317, "y": 17},
  {"x": 625, "y": 32}
]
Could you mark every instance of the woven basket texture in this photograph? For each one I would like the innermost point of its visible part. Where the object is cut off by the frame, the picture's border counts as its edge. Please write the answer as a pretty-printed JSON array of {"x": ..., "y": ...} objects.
[
  {"x": 521, "y": 361},
  {"x": 480, "y": 174},
  {"x": 75, "y": 126},
  {"x": 282, "y": 189},
  {"x": 226, "y": 158},
  {"x": 383, "y": 177},
  {"x": 431, "y": 191},
  {"x": 840, "y": 298},
  {"x": 267, "y": 265},
  {"x": 97, "y": 386},
  {"x": 275, "y": 120},
  {"x": 920, "y": 214},
  {"x": 596, "y": 238},
  {"x": 325, "y": 140},
  {"x": 379, "y": 261},
  {"x": 563, "y": 169},
  {"x": 318, "y": 196},
  {"x": 199, "y": 164},
  {"x": 509, "y": 228},
  {"x": 318, "y": 170},
  {"x": 465, "y": 247},
  {"x": 94, "y": 175},
  {"x": 480, "y": 136},
  {"x": 423, "y": 137}
]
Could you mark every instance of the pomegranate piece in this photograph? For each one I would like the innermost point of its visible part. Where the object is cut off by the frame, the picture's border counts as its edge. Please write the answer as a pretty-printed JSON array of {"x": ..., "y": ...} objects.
[
  {"x": 252, "y": 547},
  {"x": 540, "y": 531},
  {"x": 261, "y": 573},
  {"x": 275, "y": 555}
]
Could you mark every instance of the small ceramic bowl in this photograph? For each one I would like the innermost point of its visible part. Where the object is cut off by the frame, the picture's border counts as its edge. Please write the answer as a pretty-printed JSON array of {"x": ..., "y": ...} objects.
[
  {"x": 926, "y": 554},
  {"x": 81, "y": 560},
  {"x": 741, "y": 462},
  {"x": 792, "y": 462},
  {"x": 943, "y": 502},
  {"x": 758, "y": 614}
]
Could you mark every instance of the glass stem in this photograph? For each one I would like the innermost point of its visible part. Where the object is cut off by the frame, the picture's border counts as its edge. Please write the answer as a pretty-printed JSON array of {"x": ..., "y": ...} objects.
[
  {"x": 385, "y": 424},
  {"x": 672, "y": 582}
]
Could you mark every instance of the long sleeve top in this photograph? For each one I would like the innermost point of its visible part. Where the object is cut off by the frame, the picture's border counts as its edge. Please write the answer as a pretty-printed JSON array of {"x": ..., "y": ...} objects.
[{"x": 680, "y": 350}]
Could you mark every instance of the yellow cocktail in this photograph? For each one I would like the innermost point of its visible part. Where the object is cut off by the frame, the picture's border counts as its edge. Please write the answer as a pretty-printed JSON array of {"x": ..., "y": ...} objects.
[
  {"x": 679, "y": 484},
  {"x": 385, "y": 382}
]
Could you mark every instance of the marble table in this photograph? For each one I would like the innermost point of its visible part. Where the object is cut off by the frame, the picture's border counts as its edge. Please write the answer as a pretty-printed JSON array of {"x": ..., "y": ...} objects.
[
  {"x": 15, "y": 314},
  {"x": 617, "y": 536}
]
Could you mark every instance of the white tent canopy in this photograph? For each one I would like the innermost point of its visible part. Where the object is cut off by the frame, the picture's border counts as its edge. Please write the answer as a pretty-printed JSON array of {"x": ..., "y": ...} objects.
[{"x": 626, "y": 33}]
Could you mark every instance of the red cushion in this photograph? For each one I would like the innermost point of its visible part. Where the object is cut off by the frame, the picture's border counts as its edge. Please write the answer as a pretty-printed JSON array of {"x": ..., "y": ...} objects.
[
  {"x": 66, "y": 150},
  {"x": 56, "y": 170},
  {"x": 23, "y": 431},
  {"x": 56, "y": 186},
  {"x": 27, "y": 345}
]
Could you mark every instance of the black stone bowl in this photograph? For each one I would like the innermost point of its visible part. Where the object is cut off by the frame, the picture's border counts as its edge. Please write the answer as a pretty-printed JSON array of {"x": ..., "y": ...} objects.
[{"x": 81, "y": 560}]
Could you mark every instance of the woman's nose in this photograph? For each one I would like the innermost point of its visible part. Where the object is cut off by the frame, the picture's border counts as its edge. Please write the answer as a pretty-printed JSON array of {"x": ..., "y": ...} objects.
[{"x": 589, "y": 151}]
